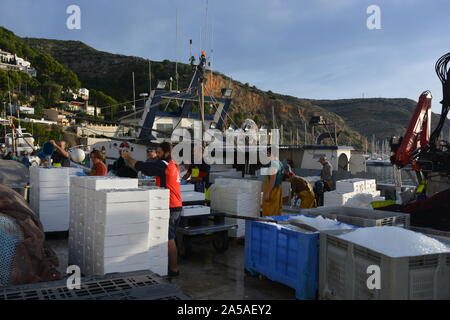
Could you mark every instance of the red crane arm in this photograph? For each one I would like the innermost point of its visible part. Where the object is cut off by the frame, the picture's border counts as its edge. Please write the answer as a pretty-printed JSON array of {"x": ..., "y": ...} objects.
[{"x": 418, "y": 132}]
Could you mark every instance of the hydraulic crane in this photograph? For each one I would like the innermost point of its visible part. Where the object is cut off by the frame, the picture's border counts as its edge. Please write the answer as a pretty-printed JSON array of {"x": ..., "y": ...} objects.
[{"x": 428, "y": 157}]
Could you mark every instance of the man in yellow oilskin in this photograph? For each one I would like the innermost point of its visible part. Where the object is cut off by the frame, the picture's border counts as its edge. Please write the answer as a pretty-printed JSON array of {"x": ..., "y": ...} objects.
[
  {"x": 300, "y": 188},
  {"x": 272, "y": 190}
]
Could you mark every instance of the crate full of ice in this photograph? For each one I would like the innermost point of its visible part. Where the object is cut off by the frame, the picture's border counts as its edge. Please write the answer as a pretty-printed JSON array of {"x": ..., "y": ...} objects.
[
  {"x": 361, "y": 217},
  {"x": 396, "y": 242},
  {"x": 320, "y": 223},
  {"x": 411, "y": 265}
]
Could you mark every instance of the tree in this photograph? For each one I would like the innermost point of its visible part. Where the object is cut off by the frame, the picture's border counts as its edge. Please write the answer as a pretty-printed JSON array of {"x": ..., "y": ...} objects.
[
  {"x": 51, "y": 92},
  {"x": 39, "y": 106},
  {"x": 102, "y": 100}
]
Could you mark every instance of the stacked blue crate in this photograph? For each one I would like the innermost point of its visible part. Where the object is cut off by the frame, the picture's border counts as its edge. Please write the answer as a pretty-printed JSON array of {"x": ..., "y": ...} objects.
[{"x": 283, "y": 255}]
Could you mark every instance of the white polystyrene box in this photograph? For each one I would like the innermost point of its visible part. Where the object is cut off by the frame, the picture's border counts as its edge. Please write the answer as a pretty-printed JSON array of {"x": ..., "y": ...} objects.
[
  {"x": 193, "y": 196},
  {"x": 187, "y": 187},
  {"x": 99, "y": 183},
  {"x": 123, "y": 213},
  {"x": 124, "y": 195},
  {"x": 121, "y": 240},
  {"x": 160, "y": 214},
  {"x": 195, "y": 211},
  {"x": 117, "y": 251},
  {"x": 113, "y": 268},
  {"x": 126, "y": 228},
  {"x": 157, "y": 205}
]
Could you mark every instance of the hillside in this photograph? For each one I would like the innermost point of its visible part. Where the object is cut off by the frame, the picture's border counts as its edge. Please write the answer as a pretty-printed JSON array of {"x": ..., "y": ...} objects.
[
  {"x": 52, "y": 77},
  {"x": 378, "y": 116},
  {"x": 357, "y": 118},
  {"x": 111, "y": 73}
]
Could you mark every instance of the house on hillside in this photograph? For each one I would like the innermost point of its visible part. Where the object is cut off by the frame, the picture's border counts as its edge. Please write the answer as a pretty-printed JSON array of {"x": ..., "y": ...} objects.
[
  {"x": 9, "y": 61},
  {"x": 83, "y": 107},
  {"x": 6, "y": 57},
  {"x": 61, "y": 117},
  {"x": 82, "y": 93}
]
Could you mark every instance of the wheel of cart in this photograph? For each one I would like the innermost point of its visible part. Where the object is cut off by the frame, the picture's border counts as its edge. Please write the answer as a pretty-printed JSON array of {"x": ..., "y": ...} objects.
[
  {"x": 221, "y": 241},
  {"x": 211, "y": 228}
]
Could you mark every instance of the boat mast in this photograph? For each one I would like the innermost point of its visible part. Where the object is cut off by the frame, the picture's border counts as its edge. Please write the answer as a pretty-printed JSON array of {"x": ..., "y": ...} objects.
[
  {"x": 201, "y": 94},
  {"x": 176, "y": 49},
  {"x": 13, "y": 136},
  {"x": 134, "y": 98}
]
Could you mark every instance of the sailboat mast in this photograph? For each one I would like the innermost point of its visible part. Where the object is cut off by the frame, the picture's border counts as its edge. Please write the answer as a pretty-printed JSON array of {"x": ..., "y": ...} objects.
[
  {"x": 176, "y": 49},
  {"x": 134, "y": 98}
]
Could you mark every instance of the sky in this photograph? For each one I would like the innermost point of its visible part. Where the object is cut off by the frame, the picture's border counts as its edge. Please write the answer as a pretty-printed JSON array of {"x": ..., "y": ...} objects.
[{"x": 318, "y": 49}]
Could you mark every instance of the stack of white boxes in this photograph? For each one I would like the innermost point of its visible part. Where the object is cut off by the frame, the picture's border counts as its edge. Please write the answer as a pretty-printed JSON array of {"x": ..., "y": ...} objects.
[
  {"x": 223, "y": 171},
  {"x": 237, "y": 197},
  {"x": 117, "y": 227},
  {"x": 346, "y": 189},
  {"x": 188, "y": 194},
  {"x": 50, "y": 196}
]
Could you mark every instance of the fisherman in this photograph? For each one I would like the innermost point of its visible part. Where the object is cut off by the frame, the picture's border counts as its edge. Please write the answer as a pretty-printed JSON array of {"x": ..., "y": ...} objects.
[
  {"x": 151, "y": 154},
  {"x": 300, "y": 188},
  {"x": 199, "y": 176},
  {"x": 326, "y": 173},
  {"x": 272, "y": 197},
  {"x": 9, "y": 156},
  {"x": 26, "y": 159},
  {"x": 120, "y": 168},
  {"x": 167, "y": 175},
  {"x": 98, "y": 168},
  {"x": 60, "y": 157}
]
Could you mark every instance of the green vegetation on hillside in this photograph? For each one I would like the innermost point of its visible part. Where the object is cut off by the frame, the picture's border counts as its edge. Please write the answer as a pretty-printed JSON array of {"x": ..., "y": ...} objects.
[
  {"x": 52, "y": 77},
  {"x": 380, "y": 117},
  {"x": 112, "y": 73},
  {"x": 53, "y": 81}
]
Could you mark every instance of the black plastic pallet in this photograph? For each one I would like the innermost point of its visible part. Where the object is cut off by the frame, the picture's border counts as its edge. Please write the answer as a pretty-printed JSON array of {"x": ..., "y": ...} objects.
[{"x": 142, "y": 285}]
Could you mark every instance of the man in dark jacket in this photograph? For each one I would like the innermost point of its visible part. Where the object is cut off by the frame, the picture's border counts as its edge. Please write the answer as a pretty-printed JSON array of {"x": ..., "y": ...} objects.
[
  {"x": 167, "y": 175},
  {"x": 120, "y": 168}
]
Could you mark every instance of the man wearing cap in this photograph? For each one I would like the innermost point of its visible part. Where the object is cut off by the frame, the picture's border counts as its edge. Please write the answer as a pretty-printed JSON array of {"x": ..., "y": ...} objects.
[
  {"x": 120, "y": 167},
  {"x": 60, "y": 157},
  {"x": 26, "y": 159},
  {"x": 151, "y": 154},
  {"x": 326, "y": 173}
]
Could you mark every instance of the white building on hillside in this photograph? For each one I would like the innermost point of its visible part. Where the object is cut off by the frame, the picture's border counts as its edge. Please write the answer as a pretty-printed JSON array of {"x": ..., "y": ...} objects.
[
  {"x": 10, "y": 61},
  {"x": 83, "y": 93},
  {"x": 6, "y": 57},
  {"x": 22, "y": 62}
]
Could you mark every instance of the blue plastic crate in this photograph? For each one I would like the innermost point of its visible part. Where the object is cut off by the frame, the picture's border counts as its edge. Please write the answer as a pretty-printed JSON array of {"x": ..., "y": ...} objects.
[{"x": 282, "y": 255}]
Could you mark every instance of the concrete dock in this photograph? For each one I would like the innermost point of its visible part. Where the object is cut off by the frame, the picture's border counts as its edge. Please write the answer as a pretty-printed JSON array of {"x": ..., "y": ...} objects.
[{"x": 207, "y": 275}]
